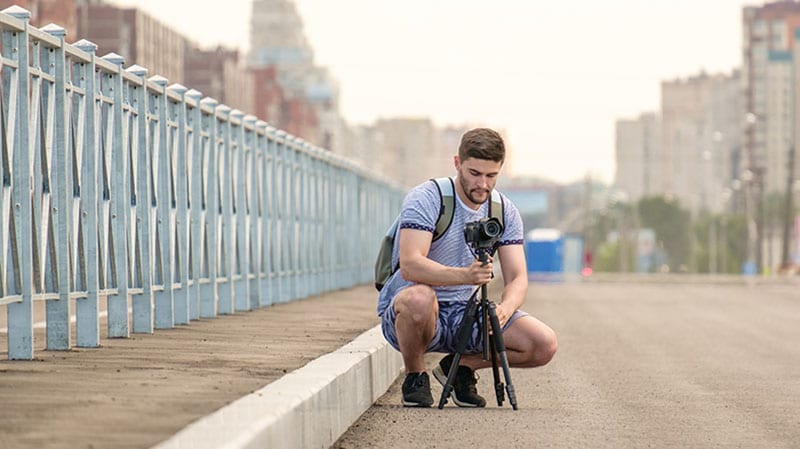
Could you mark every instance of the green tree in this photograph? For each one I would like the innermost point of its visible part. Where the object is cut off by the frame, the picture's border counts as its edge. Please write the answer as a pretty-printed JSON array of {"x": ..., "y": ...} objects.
[
  {"x": 617, "y": 253},
  {"x": 733, "y": 247},
  {"x": 671, "y": 223}
]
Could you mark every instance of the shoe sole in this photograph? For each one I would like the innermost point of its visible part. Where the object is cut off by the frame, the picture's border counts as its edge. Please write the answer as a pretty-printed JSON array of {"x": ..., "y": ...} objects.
[
  {"x": 416, "y": 404},
  {"x": 441, "y": 377}
]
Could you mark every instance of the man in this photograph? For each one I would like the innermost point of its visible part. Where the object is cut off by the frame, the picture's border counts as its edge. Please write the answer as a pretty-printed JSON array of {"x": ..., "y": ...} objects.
[{"x": 422, "y": 304}]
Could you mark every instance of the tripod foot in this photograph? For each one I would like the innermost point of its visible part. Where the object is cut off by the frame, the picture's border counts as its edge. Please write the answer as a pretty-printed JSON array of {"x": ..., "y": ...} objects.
[
  {"x": 499, "y": 393},
  {"x": 512, "y": 396}
]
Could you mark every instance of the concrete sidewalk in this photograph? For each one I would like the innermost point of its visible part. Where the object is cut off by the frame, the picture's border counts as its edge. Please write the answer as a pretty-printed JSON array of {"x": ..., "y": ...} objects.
[{"x": 223, "y": 382}]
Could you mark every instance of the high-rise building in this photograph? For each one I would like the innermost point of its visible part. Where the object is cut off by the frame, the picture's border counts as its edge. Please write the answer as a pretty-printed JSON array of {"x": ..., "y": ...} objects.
[
  {"x": 684, "y": 105},
  {"x": 219, "y": 73},
  {"x": 768, "y": 49},
  {"x": 408, "y": 147},
  {"x": 723, "y": 154},
  {"x": 769, "y": 78},
  {"x": 277, "y": 39},
  {"x": 638, "y": 156},
  {"x": 135, "y": 35},
  {"x": 43, "y": 12}
]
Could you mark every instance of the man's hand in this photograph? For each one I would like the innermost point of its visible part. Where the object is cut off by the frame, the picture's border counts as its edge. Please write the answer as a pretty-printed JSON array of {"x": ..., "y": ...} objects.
[
  {"x": 503, "y": 314},
  {"x": 479, "y": 273}
]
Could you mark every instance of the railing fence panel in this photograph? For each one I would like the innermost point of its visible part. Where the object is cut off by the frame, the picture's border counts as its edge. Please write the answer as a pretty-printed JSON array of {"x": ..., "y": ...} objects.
[{"x": 161, "y": 206}]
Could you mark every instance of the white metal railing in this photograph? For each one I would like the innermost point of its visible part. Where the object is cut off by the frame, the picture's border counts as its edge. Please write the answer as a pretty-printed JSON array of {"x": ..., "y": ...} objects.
[{"x": 119, "y": 187}]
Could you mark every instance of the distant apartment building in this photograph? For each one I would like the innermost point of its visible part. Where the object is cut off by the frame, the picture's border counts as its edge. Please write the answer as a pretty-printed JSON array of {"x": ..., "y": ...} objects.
[
  {"x": 134, "y": 35},
  {"x": 268, "y": 96},
  {"x": 638, "y": 156},
  {"x": 700, "y": 128},
  {"x": 769, "y": 68},
  {"x": 221, "y": 74},
  {"x": 408, "y": 149},
  {"x": 310, "y": 95},
  {"x": 43, "y": 12},
  {"x": 362, "y": 143},
  {"x": 323, "y": 94},
  {"x": 449, "y": 138},
  {"x": 683, "y": 112},
  {"x": 723, "y": 152},
  {"x": 779, "y": 120}
]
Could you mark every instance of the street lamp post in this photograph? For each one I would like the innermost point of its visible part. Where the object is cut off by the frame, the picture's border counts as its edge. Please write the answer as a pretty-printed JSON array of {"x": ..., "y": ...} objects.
[
  {"x": 788, "y": 218},
  {"x": 712, "y": 250},
  {"x": 752, "y": 178}
]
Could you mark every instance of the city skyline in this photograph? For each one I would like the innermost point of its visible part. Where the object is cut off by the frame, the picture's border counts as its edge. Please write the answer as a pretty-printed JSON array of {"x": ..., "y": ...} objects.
[{"x": 554, "y": 77}]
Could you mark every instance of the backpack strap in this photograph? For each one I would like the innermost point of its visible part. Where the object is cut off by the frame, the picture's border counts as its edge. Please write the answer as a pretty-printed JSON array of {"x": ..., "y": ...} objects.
[
  {"x": 447, "y": 192},
  {"x": 496, "y": 207}
]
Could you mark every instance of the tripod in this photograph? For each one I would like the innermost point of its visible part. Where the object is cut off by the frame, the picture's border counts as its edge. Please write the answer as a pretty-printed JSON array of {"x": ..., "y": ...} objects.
[{"x": 492, "y": 342}]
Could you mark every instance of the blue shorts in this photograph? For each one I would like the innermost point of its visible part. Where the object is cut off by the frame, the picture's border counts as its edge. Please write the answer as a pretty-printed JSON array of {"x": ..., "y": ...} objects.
[{"x": 451, "y": 313}]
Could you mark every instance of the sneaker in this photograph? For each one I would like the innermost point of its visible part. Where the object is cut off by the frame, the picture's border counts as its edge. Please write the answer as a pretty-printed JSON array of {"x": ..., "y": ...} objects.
[
  {"x": 465, "y": 391},
  {"x": 417, "y": 390}
]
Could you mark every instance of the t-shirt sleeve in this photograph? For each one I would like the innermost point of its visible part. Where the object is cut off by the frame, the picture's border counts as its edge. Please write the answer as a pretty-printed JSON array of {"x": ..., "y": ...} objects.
[
  {"x": 513, "y": 234},
  {"x": 420, "y": 208}
]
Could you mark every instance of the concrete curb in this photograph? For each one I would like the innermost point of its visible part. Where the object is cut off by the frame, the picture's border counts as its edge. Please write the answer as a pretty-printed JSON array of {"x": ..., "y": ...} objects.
[{"x": 310, "y": 407}]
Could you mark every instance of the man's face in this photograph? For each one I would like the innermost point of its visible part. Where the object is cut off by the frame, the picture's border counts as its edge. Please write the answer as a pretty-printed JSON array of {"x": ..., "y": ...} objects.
[{"x": 477, "y": 178}]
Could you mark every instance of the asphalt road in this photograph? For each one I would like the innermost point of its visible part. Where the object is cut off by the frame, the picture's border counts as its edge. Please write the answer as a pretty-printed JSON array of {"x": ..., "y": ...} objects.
[{"x": 685, "y": 364}]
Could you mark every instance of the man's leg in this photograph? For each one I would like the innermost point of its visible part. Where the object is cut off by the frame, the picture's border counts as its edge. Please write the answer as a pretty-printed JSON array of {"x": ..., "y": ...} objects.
[
  {"x": 416, "y": 309},
  {"x": 529, "y": 343}
]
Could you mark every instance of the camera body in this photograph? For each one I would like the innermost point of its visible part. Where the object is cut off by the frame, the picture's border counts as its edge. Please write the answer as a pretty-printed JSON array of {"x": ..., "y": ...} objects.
[{"x": 483, "y": 234}]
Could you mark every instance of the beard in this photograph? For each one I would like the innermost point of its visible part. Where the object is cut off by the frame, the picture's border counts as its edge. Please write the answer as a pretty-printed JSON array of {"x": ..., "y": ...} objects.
[{"x": 472, "y": 194}]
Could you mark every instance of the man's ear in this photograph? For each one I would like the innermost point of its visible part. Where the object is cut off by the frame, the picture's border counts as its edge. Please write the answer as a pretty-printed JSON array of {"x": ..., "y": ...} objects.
[{"x": 456, "y": 162}]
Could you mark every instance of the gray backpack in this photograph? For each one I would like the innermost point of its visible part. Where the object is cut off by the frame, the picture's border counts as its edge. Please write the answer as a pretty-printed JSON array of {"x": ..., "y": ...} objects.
[{"x": 383, "y": 264}]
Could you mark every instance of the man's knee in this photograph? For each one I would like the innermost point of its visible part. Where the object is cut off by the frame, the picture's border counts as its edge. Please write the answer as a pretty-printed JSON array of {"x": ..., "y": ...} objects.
[
  {"x": 417, "y": 303},
  {"x": 538, "y": 348},
  {"x": 545, "y": 349}
]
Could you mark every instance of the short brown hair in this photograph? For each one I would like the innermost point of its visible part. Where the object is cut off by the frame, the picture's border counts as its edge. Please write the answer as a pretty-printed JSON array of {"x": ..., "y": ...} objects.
[{"x": 482, "y": 143}]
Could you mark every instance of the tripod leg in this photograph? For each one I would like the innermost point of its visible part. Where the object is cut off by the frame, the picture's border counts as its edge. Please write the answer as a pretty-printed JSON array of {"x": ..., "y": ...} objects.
[
  {"x": 462, "y": 338},
  {"x": 501, "y": 351},
  {"x": 498, "y": 384}
]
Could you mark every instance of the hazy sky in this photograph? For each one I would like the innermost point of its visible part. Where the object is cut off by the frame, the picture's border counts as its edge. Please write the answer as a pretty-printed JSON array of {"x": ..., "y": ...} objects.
[{"x": 554, "y": 74}]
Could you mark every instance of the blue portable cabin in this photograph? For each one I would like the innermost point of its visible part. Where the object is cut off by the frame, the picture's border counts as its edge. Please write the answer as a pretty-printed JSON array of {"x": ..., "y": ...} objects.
[{"x": 544, "y": 254}]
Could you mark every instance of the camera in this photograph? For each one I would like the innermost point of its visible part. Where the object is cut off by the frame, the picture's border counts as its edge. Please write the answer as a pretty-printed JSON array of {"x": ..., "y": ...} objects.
[{"x": 483, "y": 234}]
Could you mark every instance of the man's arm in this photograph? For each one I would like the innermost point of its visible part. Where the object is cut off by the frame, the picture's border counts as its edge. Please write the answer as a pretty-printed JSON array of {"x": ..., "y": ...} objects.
[
  {"x": 515, "y": 279},
  {"x": 415, "y": 266}
]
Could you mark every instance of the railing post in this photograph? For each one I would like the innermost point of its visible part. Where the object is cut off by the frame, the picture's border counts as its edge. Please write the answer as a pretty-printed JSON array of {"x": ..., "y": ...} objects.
[
  {"x": 209, "y": 294},
  {"x": 292, "y": 207},
  {"x": 87, "y": 319},
  {"x": 326, "y": 222},
  {"x": 274, "y": 215},
  {"x": 227, "y": 232},
  {"x": 142, "y": 303},
  {"x": 316, "y": 225},
  {"x": 164, "y": 300},
  {"x": 262, "y": 232},
  {"x": 181, "y": 209},
  {"x": 194, "y": 154},
  {"x": 20, "y": 277},
  {"x": 240, "y": 258},
  {"x": 54, "y": 62},
  {"x": 281, "y": 239},
  {"x": 117, "y": 182},
  {"x": 251, "y": 159},
  {"x": 305, "y": 221}
]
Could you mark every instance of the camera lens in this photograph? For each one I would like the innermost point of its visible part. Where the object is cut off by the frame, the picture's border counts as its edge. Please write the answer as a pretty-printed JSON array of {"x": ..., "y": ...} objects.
[{"x": 492, "y": 229}]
